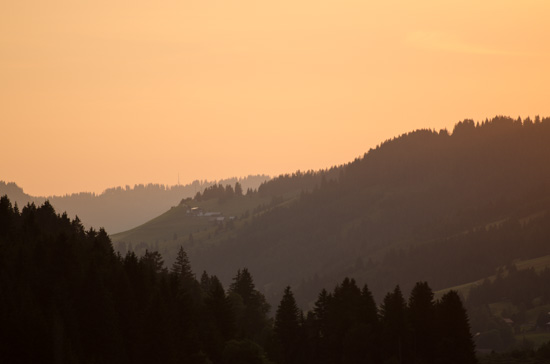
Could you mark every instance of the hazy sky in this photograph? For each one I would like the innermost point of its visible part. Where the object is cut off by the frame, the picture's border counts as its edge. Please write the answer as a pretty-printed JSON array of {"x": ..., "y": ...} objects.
[{"x": 100, "y": 93}]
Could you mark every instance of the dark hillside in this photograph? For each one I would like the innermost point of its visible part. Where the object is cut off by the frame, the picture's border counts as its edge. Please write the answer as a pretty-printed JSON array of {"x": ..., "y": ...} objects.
[{"x": 424, "y": 188}]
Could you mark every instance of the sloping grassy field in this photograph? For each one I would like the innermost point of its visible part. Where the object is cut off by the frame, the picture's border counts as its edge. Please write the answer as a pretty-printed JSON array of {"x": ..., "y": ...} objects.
[
  {"x": 179, "y": 221},
  {"x": 464, "y": 289}
]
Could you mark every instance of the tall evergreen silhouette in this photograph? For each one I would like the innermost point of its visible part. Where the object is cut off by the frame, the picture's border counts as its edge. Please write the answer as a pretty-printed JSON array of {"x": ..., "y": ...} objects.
[
  {"x": 455, "y": 343},
  {"x": 287, "y": 328},
  {"x": 421, "y": 312},
  {"x": 395, "y": 326},
  {"x": 253, "y": 317}
]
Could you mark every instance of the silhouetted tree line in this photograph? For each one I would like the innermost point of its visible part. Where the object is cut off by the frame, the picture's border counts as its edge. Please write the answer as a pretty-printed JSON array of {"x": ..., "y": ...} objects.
[
  {"x": 67, "y": 297},
  {"x": 221, "y": 193},
  {"x": 298, "y": 181},
  {"x": 346, "y": 326}
]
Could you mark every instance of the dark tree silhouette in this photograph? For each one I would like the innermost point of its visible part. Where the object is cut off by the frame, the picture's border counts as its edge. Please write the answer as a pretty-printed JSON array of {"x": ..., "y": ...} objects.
[
  {"x": 395, "y": 326},
  {"x": 422, "y": 320},
  {"x": 455, "y": 343},
  {"x": 287, "y": 328},
  {"x": 253, "y": 318}
]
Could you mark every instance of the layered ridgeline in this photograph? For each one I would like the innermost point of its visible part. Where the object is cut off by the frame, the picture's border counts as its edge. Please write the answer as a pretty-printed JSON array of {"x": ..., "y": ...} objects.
[
  {"x": 121, "y": 208},
  {"x": 444, "y": 207},
  {"x": 67, "y": 297}
]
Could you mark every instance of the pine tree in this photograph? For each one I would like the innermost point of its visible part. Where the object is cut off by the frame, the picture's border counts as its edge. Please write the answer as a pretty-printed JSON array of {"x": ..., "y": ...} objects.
[
  {"x": 321, "y": 328},
  {"x": 253, "y": 318},
  {"x": 218, "y": 324},
  {"x": 370, "y": 311},
  {"x": 422, "y": 319},
  {"x": 321, "y": 307},
  {"x": 395, "y": 330},
  {"x": 238, "y": 189},
  {"x": 154, "y": 261},
  {"x": 455, "y": 342},
  {"x": 243, "y": 285},
  {"x": 205, "y": 282},
  {"x": 287, "y": 327},
  {"x": 354, "y": 320},
  {"x": 220, "y": 308},
  {"x": 181, "y": 267},
  {"x": 369, "y": 331}
]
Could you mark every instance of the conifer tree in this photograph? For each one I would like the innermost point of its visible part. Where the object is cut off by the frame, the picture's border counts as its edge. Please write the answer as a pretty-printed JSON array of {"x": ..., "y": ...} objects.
[
  {"x": 254, "y": 316},
  {"x": 238, "y": 189},
  {"x": 181, "y": 267},
  {"x": 220, "y": 308},
  {"x": 395, "y": 330},
  {"x": 422, "y": 320},
  {"x": 287, "y": 327},
  {"x": 243, "y": 285},
  {"x": 154, "y": 261},
  {"x": 368, "y": 332},
  {"x": 205, "y": 282},
  {"x": 321, "y": 306},
  {"x": 218, "y": 323},
  {"x": 370, "y": 310},
  {"x": 455, "y": 342},
  {"x": 321, "y": 327}
]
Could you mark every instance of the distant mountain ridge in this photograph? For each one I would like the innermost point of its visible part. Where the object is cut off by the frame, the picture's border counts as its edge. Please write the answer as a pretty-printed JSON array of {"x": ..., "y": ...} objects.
[{"x": 121, "y": 208}]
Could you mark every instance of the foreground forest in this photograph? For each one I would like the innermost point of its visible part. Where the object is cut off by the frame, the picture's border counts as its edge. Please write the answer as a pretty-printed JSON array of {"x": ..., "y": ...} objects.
[{"x": 67, "y": 297}]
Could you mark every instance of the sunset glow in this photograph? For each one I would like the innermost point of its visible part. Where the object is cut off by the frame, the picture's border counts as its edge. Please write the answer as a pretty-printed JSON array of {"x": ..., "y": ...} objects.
[{"x": 105, "y": 93}]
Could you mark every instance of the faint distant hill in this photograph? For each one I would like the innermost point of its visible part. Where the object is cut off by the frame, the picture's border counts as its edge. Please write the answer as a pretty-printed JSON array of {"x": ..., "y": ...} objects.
[{"x": 122, "y": 208}]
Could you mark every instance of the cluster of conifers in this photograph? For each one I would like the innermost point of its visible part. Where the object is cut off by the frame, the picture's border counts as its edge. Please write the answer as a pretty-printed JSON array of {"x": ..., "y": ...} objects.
[
  {"x": 66, "y": 296},
  {"x": 346, "y": 326}
]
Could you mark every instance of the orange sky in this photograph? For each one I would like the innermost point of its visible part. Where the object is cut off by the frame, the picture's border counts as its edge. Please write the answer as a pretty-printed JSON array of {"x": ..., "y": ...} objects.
[{"x": 95, "y": 94}]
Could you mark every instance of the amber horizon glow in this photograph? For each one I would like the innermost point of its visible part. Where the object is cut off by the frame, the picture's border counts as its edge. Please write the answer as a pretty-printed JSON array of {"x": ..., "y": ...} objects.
[{"x": 107, "y": 93}]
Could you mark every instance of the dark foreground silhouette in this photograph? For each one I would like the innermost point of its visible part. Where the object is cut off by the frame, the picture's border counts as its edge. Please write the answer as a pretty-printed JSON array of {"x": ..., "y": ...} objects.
[{"x": 67, "y": 297}]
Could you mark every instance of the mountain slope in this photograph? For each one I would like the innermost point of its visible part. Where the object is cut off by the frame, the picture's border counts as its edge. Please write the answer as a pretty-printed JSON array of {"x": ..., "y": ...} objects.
[{"x": 414, "y": 207}]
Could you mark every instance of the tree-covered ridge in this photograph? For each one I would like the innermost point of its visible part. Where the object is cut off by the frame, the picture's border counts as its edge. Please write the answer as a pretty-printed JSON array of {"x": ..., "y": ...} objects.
[
  {"x": 408, "y": 198},
  {"x": 67, "y": 297}
]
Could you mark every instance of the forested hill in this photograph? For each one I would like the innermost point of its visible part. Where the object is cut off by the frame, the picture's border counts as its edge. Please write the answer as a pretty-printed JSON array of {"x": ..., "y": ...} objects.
[
  {"x": 122, "y": 208},
  {"x": 419, "y": 196}
]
